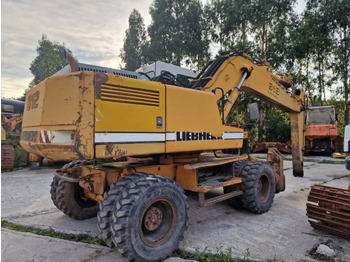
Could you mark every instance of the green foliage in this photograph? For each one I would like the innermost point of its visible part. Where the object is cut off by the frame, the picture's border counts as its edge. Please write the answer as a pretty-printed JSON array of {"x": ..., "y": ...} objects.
[
  {"x": 177, "y": 33},
  {"x": 132, "y": 53},
  {"x": 207, "y": 255},
  {"x": 320, "y": 51},
  {"x": 48, "y": 61},
  {"x": 269, "y": 27},
  {"x": 340, "y": 111},
  {"x": 277, "y": 125}
]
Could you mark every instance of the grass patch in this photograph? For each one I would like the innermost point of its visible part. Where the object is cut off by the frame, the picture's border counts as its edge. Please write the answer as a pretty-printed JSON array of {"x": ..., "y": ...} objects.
[
  {"x": 202, "y": 256},
  {"x": 84, "y": 238},
  {"x": 207, "y": 256}
]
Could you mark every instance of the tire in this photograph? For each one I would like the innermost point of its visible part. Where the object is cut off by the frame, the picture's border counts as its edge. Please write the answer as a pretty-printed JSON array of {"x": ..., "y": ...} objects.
[
  {"x": 71, "y": 201},
  {"x": 56, "y": 180},
  {"x": 111, "y": 198},
  {"x": 53, "y": 190},
  {"x": 258, "y": 186},
  {"x": 236, "y": 202},
  {"x": 151, "y": 218}
]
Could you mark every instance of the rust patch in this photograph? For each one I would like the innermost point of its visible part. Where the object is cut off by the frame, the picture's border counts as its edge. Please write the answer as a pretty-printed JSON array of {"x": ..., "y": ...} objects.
[
  {"x": 328, "y": 209},
  {"x": 80, "y": 75},
  {"x": 115, "y": 151},
  {"x": 109, "y": 149},
  {"x": 29, "y": 136},
  {"x": 119, "y": 153},
  {"x": 100, "y": 78}
]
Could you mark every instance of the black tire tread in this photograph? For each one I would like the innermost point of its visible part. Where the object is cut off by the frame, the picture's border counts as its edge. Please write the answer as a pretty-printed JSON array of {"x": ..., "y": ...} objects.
[
  {"x": 250, "y": 176},
  {"x": 236, "y": 202},
  {"x": 140, "y": 183},
  {"x": 56, "y": 180},
  {"x": 68, "y": 205},
  {"x": 53, "y": 190},
  {"x": 112, "y": 199}
]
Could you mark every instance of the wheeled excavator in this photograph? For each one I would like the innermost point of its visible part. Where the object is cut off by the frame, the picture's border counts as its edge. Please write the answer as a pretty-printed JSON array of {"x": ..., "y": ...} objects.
[{"x": 136, "y": 145}]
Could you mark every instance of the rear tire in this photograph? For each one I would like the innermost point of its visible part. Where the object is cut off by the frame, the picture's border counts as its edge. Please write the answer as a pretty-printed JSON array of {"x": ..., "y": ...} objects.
[
  {"x": 258, "y": 185},
  {"x": 69, "y": 197},
  {"x": 53, "y": 190},
  {"x": 72, "y": 202},
  {"x": 56, "y": 180},
  {"x": 151, "y": 218}
]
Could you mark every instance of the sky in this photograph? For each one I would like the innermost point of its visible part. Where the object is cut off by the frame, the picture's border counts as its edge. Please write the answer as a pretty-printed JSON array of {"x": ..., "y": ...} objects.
[{"x": 93, "y": 30}]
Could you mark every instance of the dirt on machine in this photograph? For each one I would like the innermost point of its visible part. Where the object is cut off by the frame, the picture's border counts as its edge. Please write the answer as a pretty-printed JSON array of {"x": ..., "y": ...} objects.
[{"x": 136, "y": 144}]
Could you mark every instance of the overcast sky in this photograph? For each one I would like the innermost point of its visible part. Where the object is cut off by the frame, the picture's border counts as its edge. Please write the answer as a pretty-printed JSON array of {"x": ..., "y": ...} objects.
[{"x": 93, "y": 30}]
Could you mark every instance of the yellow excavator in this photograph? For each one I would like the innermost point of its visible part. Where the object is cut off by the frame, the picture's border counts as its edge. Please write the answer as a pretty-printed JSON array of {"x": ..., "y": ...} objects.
[{"x": 136, "y": 145}]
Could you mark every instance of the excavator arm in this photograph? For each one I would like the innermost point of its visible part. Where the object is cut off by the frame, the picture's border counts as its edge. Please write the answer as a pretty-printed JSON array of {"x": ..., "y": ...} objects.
[{"x": 239, "y": 73}]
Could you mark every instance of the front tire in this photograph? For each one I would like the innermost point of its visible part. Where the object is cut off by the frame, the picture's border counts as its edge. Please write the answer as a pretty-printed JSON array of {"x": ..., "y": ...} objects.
[
  {"x": 258, "y": 185},
  {"x": 151, "y": 220},
  {"x": 112, "y": 197},
  {"x": 236, "y": 202}
]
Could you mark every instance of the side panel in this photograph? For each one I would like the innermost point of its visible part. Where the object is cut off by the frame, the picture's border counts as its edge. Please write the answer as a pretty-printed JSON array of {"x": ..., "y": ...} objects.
[
  {"x": 194, "y": 122},
  {"x": 129, "y": 118},
  {"x": 58, "y": 117}
]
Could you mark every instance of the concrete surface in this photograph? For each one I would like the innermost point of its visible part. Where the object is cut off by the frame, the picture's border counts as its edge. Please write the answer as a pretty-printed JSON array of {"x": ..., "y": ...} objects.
[{"x": 283, "y": 233}]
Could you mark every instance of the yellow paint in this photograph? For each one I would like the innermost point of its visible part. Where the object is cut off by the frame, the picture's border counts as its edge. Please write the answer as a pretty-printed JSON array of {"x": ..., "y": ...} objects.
[
  {"x": 187, "y": 179},
  {"x": 196, "y": 111},
  {"x": 119, "y": 150},
  {"x": 3, "y": 134},
  {"x": 162, "y": 170},
  {"x": 131, "y": 109},
  {"x": 61, "y": 103}
]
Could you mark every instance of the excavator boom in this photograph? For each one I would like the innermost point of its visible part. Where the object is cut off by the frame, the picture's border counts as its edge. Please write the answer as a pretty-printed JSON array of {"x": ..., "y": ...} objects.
[{"x": 239, "y": 73}]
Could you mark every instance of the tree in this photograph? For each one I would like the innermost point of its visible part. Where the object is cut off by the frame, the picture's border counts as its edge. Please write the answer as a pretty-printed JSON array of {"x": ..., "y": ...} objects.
[
  {"x": 337, "y": 16},
  {"x": 270, "y": 28},
  {"x": 321, "y": 46},
  {"x": 132, "y": 53},
  {"x": 216, "y": 20},
  {"x": 321, "y": 43},
  {"x": 177, "y": 32},
  {"x": 299, "y": 57},
  {"x": 228, "y": 23},
  {"x": 49, "y": 60}
]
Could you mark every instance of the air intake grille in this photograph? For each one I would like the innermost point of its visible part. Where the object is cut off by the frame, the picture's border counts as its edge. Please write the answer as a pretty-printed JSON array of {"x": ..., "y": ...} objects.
[{"x": 129, "y": 95}]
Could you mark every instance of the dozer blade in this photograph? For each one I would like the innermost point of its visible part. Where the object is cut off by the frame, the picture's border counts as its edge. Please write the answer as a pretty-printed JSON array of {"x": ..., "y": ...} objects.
[{"x": 329, "y": 209}]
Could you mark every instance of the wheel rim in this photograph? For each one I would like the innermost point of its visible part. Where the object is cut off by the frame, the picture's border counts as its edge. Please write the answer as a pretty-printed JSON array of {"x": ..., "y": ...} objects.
[
  {"x": 81, "y": 199},
  {"x": 158, "y": 221},
  {"x": 264, "y": 188}
]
